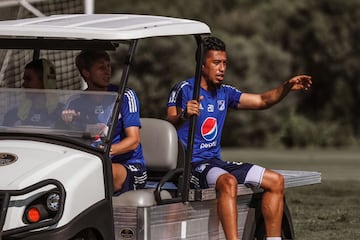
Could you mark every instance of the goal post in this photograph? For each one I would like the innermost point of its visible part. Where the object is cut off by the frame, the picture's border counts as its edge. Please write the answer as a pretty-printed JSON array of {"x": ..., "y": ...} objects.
[{"x": 12, "y": 62}]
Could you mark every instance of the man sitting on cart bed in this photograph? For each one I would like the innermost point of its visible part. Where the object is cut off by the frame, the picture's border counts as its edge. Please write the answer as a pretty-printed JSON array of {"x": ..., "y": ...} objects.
[
  {"x": 128, "y": 164},
  {"x": 208, "y": 170}
]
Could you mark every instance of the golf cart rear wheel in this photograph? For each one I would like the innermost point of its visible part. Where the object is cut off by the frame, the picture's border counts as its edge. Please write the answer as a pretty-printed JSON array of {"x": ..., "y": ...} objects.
[{"x": 86, "y": 235}]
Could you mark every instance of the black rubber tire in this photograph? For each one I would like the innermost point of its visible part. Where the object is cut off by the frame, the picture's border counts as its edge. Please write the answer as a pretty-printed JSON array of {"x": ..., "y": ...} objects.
[{"x": 86, "y": 235}]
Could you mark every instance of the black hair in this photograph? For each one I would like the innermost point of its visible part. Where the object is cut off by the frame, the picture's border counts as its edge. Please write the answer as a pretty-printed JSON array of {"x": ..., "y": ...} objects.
[
  {"x": 36, "y": 65},
  {"x": 87, "y": 58},
  {"x": 45, "y": 70},
  {"x": 212, "y": 43}
]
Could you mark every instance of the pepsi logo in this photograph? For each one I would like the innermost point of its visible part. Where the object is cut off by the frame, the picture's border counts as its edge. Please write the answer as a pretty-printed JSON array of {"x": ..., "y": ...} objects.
[{"x": 209, "y": 129}]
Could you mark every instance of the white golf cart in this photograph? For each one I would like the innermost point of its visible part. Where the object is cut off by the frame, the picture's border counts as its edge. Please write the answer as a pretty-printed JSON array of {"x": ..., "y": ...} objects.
[{"x": 55, "y": 183}]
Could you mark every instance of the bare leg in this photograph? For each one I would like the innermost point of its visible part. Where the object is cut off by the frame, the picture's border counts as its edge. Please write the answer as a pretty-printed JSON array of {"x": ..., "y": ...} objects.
[
  {"x": 226, "y": 186},
  {"x": 119, "y": 176},
  {"x": 273, "y": 202}
]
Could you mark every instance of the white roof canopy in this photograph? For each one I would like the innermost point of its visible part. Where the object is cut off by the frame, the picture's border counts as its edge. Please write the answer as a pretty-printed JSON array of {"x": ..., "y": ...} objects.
[{"x": 101, "y": 26}]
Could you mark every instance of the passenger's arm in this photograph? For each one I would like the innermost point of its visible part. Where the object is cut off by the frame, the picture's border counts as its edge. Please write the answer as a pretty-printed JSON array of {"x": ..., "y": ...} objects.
[
  {"x": 129, "y": 143},
  {"x": 178, "y": 116},
  {"x": 68, "y": 115}
]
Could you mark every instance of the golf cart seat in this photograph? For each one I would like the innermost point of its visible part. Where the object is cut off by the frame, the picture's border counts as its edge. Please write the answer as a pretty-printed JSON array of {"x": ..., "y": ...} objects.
[{"x": 164, "y": 156}]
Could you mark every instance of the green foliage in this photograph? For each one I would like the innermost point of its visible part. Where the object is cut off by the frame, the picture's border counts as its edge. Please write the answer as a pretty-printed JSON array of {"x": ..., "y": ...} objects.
[
  {"x": 299, "y": 131},
  {"x": 267, "y": 43}
]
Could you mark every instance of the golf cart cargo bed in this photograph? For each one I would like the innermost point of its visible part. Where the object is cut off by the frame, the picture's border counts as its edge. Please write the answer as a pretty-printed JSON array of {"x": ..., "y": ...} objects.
[{"x": 196, "y": 219}]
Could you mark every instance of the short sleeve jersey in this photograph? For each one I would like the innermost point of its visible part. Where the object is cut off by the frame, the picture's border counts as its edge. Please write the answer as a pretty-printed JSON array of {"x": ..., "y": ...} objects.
[
  {"x": 210, "y": 122},
  {"x": 43, "y": 112},
  {"x": 91, "y": 110},
  {"x": 34, "y": 117},
  {"x": 129, "y": 116}
]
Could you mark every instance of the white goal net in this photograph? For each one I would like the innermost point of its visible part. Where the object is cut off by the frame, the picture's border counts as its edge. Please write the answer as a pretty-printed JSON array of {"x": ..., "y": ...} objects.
[{"x": 12, "y": 62}]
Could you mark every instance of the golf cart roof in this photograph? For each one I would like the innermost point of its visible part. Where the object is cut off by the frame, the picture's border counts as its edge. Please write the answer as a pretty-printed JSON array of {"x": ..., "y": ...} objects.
[{"x": 100, "y": 27}]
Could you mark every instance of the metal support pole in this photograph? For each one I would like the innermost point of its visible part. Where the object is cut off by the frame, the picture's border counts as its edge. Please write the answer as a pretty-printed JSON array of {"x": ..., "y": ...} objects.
[
  {"x": 89, "y": 6},
  {"x": 190, "y": 143}
]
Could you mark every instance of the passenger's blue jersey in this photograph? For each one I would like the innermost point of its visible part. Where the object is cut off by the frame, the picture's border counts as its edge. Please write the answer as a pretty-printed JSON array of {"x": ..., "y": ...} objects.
[
  {"x": 34, "y": 116},
  {"x": 210, "y": 122},
  {"x": 129, "y": 116}
]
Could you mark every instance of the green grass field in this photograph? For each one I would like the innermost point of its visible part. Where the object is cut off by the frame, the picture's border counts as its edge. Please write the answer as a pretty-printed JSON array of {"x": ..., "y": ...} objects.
[{"x": 330, "y": 210}]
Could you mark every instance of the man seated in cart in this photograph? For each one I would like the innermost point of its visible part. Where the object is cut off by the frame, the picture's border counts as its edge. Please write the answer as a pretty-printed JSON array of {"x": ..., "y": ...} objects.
[
  {"x": 36, "y": 108},
  {"x": 208, "y": 169},
  {"x": 128, "y": 164}
]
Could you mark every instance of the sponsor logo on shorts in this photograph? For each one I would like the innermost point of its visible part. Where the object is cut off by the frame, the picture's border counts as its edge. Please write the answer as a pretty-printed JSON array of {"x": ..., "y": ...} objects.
[{"x": 201, "y": 168}]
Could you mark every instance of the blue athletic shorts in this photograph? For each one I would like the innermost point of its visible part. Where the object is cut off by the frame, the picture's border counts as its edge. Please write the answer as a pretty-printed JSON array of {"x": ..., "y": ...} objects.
[
  {"x": 238, "y": 169},
  {"x": 135, "y": 179}
]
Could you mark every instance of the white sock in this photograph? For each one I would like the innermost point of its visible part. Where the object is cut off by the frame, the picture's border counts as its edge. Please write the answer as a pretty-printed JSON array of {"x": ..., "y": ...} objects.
[{"x": 273, "y": 238}]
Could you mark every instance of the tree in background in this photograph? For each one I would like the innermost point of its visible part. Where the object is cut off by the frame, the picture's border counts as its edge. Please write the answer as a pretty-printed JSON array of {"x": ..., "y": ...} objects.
[{"x": 268, "y": 42}]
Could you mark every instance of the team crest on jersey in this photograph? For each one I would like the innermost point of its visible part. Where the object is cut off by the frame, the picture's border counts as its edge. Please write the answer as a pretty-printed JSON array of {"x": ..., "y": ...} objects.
[
  {"x": 36, "y": 117},
  {"x": 221, "y": 105},
  {"x": 99, "y": 109},
  {"x": 209, "y": 129}
]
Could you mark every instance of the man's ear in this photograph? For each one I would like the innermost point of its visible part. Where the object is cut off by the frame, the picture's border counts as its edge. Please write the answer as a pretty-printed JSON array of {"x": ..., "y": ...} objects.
[{"x": 85, "y": 73}]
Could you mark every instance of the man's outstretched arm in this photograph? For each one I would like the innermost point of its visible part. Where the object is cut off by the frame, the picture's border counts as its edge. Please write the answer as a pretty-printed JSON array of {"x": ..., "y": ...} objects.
[{"x": 269, "y": 98}]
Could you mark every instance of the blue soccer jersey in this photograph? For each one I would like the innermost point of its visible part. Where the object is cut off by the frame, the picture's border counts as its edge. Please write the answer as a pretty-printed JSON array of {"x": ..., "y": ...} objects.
[
  {"x": 31, "y": 115},
  {"x": 210, "y": 122},
  {"x": 91, "y": 110},
  {"x": 128, "y": 117}
]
